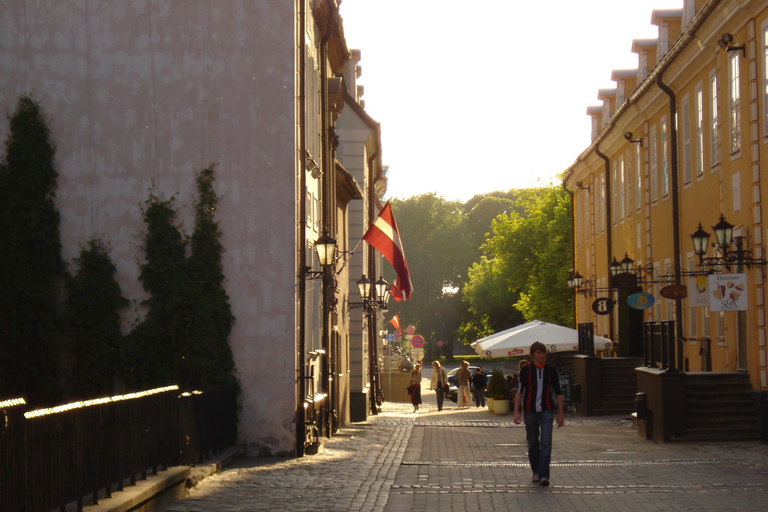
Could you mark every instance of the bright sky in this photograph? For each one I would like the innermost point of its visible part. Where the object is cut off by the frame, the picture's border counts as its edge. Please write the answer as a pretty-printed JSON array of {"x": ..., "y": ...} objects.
[{"x": 483, "y": 95}]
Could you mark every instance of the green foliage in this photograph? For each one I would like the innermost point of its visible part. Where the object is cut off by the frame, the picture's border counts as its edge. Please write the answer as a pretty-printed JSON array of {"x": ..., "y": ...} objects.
[
  {"x": 31, "y": 268},
  {"x": 93, "y": 302},
  {"x": 184, "y": 338},
  {"x": 530, "y": 254},
  {"x": 439, "y": 253},
  {"x": 153, "y": 349},
  {"x": 497, "y": 385},
  {"x": 208, "y": 359}
]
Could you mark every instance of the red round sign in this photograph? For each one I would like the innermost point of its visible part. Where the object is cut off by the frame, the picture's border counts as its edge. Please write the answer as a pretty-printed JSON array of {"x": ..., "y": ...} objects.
[
  {"x": 410, "y": 330},
  {"x": 417, "y": 341}
]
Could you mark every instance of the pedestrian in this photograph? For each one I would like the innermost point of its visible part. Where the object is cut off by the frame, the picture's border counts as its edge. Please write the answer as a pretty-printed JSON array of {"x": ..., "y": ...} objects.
[
  {"x": 513, "y": 382},
  {"x": 439, "y": 383},
  {"x": 479, "y": 385},
  {"x": 536, "y": 384},
  {"x": 463, "y": 376},
  {"x": 415, "y": 387}
]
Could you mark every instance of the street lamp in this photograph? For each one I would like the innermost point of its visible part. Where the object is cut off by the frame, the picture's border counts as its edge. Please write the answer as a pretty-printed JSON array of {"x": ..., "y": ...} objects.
[
  {"x": 700, "y": 242},
  {"x": 364, "y": 287},
  {"x": 627, "y": 264},
  {"x": 325, "y": 246},
  {"x": 614, "y": 267},
  {"x": 723, "y": 233}
]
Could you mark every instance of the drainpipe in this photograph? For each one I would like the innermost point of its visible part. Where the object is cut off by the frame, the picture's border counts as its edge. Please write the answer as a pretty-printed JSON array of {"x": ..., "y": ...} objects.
[
  {"x": 327, "y": 202},
  {"x": 302, "y": 284},
  {"x": 573, "y": 248},
  {"x": 373, "y": 360},
  {"x": 675, "y": 204},
  {"x": 608, "y": 233}
]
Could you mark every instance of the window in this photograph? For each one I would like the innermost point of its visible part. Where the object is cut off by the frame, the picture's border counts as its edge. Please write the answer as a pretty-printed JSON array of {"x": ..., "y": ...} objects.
[
  {"x": 622, "y": 188},
  {"x": 638, "y": 178},
  {"x": 699, "y": 125},
  {"x": 664, "y": 159},
  {"x": 734, "y": 102},
  {"x": 692, "y": 324},
  {"x": 705, "y": 322},
  {"x": 686, "y": 111},
  {"x": 614, "y": 195},
  {"x": 720, "y": 318},
  {"x": 765, "y": 78},
  {"x": 714, "y": 146},
  {"x": 601, "y": 196},
  {"x": 654, "y": 167}
]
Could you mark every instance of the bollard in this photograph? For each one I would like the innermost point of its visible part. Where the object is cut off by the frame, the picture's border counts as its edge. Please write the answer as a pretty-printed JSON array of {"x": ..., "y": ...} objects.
[{"x": 642, "y": 405}]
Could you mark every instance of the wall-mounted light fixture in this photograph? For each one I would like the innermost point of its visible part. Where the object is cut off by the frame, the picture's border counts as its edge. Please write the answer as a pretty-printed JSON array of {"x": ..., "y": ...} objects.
[
  {"x": 726, "y": 43},
  {"x": 724, "y": 235},
  {"x": 375, "y": 295},
  {"x": 581, "y": 186},
  {"x": 325, "y": 248},
  {"x": 628, "y": 136}
]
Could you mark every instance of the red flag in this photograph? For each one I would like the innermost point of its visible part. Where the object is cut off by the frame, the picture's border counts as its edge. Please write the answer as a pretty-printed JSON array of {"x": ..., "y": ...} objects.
[
  {"x": 384, "y": 236},
  {"x": 395, "y": 321},
  {"x": 397, "y": 294}
]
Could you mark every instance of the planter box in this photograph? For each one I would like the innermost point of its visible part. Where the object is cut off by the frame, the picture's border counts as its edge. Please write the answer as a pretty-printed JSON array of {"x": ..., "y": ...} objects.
[{"x": 501, "y": 406}]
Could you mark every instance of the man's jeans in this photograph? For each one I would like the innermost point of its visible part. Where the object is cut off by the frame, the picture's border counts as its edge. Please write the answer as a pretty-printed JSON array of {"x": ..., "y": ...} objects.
[
  {"x": 479, "y": 397},
  {"x": 539, "y": 447}
]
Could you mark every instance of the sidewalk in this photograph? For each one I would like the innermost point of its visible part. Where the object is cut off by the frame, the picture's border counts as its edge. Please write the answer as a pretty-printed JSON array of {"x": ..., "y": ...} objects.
[{"x": 471, "y": 459}]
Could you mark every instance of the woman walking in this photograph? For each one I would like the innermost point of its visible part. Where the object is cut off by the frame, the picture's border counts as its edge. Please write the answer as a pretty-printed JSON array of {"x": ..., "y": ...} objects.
[
  {"x": 415, "y": 387},
  {"x": 439, "y": 382}
]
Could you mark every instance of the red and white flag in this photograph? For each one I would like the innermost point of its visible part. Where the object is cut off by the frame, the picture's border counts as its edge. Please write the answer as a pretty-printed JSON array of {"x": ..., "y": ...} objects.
[
  {"x": 397, "y": 294},
  {"x": 395, "y": 321},
  {"x": 384, "y": 236}
]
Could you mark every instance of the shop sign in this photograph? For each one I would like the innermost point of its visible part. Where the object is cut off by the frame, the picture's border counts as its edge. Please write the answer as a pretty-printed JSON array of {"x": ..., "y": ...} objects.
[
  {"x": 640, "y": 300},
  {"x": 728, "y": 292}
]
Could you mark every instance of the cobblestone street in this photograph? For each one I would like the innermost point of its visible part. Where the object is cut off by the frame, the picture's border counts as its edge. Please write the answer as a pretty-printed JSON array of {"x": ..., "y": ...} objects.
[{"x": 470, "y": 459}]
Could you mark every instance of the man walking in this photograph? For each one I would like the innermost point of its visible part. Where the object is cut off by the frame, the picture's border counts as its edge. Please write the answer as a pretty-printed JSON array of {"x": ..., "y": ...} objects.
[
  {"x": 536, "y": 384},
  {"x": 463, "y": 378},
  {"x": 479, "y": 384}
]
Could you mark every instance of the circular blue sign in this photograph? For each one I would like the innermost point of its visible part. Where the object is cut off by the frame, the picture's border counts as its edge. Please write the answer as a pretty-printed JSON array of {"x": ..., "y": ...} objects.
[{"x": 640, "y": 300}]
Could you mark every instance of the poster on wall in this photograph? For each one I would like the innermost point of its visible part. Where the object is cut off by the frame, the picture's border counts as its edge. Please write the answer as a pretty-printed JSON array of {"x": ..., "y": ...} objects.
[
  {"x": 698, "y": 295},
  {"x": 728, "y": 292}
]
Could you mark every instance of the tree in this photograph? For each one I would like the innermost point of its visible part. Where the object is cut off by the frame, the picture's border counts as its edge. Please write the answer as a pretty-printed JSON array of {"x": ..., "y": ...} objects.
[
  {"x": 433, "y": 232},
  {"x": 153, "y": 350},
  {"x": 31, "y": 268},
  {"x": 93, "y": 302},
  {"x": 184, "y": 338},
  {"x": 208, "y": 359},
  {"x": 531, "y": 253}
]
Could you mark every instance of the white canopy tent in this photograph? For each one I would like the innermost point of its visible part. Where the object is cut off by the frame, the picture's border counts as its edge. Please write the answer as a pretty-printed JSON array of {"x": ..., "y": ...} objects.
[{"x": 517, "y": 340}]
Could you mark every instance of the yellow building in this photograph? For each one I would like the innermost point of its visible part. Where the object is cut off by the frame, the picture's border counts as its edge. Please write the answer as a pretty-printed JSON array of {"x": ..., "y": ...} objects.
[{"x": 678, "y": 143}]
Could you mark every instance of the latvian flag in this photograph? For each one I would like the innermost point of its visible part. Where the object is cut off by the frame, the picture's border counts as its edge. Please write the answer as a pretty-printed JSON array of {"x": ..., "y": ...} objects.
[
  {"x": 384, "y": 236},
  {"x": 395, "y": 321}
]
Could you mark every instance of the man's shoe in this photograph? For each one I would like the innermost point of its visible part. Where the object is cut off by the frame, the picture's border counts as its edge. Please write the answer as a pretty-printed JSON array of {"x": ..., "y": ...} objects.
[
  {"x": 544, "y": 482},
  {"x": 535, "y": 478}
]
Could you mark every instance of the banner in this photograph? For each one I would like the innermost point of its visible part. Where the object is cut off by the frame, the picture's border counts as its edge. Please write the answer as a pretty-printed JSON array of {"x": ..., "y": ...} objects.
[
  {"x": 698, "y": 295},
  {"x": 728, "y": 292}
]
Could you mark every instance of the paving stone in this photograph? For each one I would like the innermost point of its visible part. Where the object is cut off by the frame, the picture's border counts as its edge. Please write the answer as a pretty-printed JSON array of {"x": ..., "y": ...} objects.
[{"x": 470, "y": 459}]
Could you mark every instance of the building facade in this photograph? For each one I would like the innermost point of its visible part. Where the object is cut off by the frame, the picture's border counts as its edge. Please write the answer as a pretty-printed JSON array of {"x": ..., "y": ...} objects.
[
  {"x": 677, "y": 144},
  {"x": 142, "y": 94}
]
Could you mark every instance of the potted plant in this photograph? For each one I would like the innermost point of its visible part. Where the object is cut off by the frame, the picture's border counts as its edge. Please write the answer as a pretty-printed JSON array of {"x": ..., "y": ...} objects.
[{"x": 498, "y": 391}]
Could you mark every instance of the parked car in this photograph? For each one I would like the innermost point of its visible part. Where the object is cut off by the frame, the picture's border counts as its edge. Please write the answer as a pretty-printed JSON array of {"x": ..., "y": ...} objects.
[{"x": 453, "y": 391}]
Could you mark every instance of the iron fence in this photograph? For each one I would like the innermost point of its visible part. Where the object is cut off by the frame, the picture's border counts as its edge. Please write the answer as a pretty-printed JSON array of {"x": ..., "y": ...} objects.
[{"x": 50, "y": 458}]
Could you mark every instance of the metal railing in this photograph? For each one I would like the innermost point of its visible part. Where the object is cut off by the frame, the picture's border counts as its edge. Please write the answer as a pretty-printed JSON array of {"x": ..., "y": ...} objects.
[
  {"x": 659, "y": 345},
  {"x": 50, "y": 458}
]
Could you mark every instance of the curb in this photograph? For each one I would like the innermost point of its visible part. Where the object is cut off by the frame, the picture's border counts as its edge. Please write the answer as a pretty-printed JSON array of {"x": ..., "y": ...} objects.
[{"x": 161, "y": 490}]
